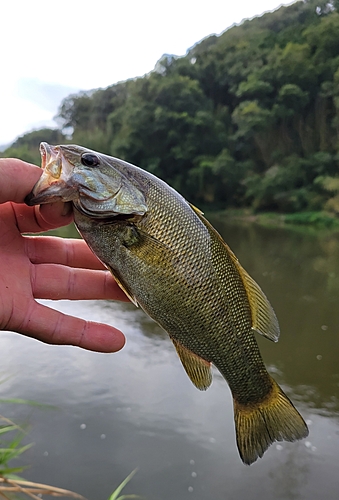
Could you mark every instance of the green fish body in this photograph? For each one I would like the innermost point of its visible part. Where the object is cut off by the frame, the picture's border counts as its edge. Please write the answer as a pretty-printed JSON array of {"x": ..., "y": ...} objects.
[{"x": 171, "y": 262}]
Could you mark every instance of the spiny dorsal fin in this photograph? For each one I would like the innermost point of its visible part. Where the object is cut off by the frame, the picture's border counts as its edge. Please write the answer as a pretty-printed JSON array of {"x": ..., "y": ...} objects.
[
  {"x": 196, "y": 210},
  {"x": 264, "y": 320},
  {"x": 198, "y": 370}
]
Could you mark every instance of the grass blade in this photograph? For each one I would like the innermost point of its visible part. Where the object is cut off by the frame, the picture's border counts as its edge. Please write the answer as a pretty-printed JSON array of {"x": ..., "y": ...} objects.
[{"x": 116, "y": 493}]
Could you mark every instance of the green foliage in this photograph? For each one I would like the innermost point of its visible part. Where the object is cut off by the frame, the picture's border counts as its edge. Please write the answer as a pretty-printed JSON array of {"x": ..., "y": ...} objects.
[
  {"x": 291, "y": 185},
  {"x": 312, "y": 218},
  {"x": 24, "y": 153},
  {"x": 26, "y": 147},
  {"x": 292, "y": 97},
  {"x": 248, "y": 118},
  {"x": 11, "y": 436},
  {"x": 330, "y": 185},
  {"x": 33, "y": 139},
  {"x": 323, "y": 39},
  {"x": 10, "y": 449},
  {"x": 116, "y": 494}
]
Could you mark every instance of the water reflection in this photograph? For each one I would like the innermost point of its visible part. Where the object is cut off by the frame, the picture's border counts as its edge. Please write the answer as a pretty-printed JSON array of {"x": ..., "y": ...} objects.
[
  {"x": 137, "y": 408},
  {"x": 299, "y": 272}
]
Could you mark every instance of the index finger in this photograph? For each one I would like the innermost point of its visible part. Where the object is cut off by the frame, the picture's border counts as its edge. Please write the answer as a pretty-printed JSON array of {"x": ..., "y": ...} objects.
[{"x": 17, "y": 179}]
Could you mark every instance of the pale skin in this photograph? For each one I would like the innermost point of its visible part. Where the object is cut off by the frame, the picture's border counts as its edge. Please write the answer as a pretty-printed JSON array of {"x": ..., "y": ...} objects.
[{"x": 46, "y": 267}]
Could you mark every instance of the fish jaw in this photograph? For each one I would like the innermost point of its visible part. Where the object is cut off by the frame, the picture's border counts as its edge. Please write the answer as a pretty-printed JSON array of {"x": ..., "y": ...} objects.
[{"x": 54, "y": 183}]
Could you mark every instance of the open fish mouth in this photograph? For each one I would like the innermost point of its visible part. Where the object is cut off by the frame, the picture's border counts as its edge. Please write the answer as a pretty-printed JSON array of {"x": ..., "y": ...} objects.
[
  {"x": 51, "y": 159},
  {"x": 53, "y": 184}
]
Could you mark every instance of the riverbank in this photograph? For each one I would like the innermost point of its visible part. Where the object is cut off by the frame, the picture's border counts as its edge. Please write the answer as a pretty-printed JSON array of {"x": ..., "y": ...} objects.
[{"x": 314, "y": 220}]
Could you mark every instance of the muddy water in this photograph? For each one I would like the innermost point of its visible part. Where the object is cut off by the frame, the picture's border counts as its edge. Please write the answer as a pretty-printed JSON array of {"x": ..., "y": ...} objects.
[{"x": 113, "y": 413}]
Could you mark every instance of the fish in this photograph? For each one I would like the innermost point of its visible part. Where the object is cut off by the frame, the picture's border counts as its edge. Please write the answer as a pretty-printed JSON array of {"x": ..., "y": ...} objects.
[{"x": 170, "y": 261}]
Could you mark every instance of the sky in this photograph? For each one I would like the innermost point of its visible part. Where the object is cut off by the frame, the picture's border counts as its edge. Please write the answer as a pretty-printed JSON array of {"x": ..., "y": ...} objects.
[{"x": 52, "y": 49}]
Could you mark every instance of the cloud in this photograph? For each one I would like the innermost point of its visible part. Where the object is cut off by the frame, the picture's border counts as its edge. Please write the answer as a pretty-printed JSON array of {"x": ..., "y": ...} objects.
[
  {"x": 46, "y": 96},
  {"x": 29, "y": 103}
]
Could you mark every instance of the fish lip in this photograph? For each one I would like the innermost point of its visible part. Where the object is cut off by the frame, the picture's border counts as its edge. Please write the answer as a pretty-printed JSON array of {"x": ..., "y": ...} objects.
[
  {"x": 52, "y": 185},
  {"x": 51, "y": 160},
  {"x": 38, "y": 199},
  {"x": 30, "y": 199},
  {"x": 45, "y": 152}
]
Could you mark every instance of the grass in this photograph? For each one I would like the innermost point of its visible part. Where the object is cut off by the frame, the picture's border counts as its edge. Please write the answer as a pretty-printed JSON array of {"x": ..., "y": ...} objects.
[
  {"x": 314, "y": 220},
  {"x": 116, "y": 493},
  {"x": 13, "y": 487},
  {"x": 32, "y": 490},
  {"x": 11, "y": 449},
  {"x": 320, "y": 219}
]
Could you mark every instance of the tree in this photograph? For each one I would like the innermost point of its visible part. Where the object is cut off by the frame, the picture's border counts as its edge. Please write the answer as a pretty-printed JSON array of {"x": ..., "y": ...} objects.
[{"x": 248, "y": 117}]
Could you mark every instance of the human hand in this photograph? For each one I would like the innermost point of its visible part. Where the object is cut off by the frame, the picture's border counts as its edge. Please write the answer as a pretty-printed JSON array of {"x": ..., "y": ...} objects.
[{"x": 44, "y": 267}]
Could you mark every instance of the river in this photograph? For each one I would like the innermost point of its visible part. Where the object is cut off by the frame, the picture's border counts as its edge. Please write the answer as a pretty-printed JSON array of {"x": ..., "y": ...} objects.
[{"x": 112, "y": 413}]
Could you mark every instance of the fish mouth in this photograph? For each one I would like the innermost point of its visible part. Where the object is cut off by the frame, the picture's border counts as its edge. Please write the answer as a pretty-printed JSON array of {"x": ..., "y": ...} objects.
[
  {"x": 53, "y": 184},
  {"x": 50, "y": 157}
]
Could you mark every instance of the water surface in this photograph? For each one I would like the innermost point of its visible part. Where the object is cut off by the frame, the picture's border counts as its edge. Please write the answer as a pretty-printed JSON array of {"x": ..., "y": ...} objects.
[{"x": 137, "y": 408}]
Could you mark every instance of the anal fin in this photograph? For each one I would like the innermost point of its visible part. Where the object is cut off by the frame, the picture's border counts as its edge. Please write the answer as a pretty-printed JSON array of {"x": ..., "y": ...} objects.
[{"x": 198, "y": 370}]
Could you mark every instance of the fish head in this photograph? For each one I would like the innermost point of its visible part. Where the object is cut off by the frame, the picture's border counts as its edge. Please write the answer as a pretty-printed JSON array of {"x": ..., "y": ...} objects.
[{"x": 89, "y": 180}]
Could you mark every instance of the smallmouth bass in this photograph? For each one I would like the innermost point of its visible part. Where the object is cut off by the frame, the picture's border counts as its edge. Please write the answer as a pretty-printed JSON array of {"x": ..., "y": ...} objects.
[{"x": 171, "y": 262}]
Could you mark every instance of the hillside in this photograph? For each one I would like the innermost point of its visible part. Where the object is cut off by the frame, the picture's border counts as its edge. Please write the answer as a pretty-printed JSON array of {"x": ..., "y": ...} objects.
[{"x": 249, "y": 118}]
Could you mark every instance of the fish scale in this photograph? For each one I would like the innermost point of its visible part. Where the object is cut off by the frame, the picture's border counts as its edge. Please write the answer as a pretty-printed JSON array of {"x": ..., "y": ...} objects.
[{"x": 172, "y": 263}]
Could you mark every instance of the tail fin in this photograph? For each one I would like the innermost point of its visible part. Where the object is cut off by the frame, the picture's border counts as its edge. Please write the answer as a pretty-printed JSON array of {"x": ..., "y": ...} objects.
[{"x": 258, "y": 426}]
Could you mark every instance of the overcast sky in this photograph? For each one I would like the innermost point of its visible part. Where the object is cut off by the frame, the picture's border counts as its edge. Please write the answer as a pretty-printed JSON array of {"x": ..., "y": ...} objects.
[{"x": 51, "y": 49}]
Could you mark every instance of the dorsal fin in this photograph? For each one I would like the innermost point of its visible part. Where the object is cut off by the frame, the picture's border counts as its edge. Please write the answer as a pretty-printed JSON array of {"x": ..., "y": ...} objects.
[
  {"x": 264, "y": 320},
  {"x": 198, "y": 370}
]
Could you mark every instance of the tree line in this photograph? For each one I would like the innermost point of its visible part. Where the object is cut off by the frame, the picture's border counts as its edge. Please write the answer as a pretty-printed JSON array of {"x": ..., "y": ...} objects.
[{"x": 249, "y": 118}]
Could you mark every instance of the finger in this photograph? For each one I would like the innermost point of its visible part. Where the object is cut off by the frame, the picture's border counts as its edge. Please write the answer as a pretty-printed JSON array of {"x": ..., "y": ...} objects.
[
  {"x": 67, "y": 251},
  {"x": 56, "y": 282},
  {"x": 54, "y": 327},
  {"x": 32, "y": 220},
  {"x": 17, "y": 179},
  {"x": 57, "y": 214}
]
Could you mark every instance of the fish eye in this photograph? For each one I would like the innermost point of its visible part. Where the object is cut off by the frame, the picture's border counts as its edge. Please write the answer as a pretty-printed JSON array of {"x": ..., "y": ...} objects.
[{"x": 90, "y": 160}]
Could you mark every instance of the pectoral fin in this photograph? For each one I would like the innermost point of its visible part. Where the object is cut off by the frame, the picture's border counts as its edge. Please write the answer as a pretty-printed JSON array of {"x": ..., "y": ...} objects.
[
  {"x": 198, "y": 370},
  {"x": 144, "y": 246}
]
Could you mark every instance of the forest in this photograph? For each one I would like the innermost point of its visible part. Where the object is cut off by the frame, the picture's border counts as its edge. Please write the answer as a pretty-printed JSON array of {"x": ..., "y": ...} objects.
[{"x": 249, "y": 118}]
